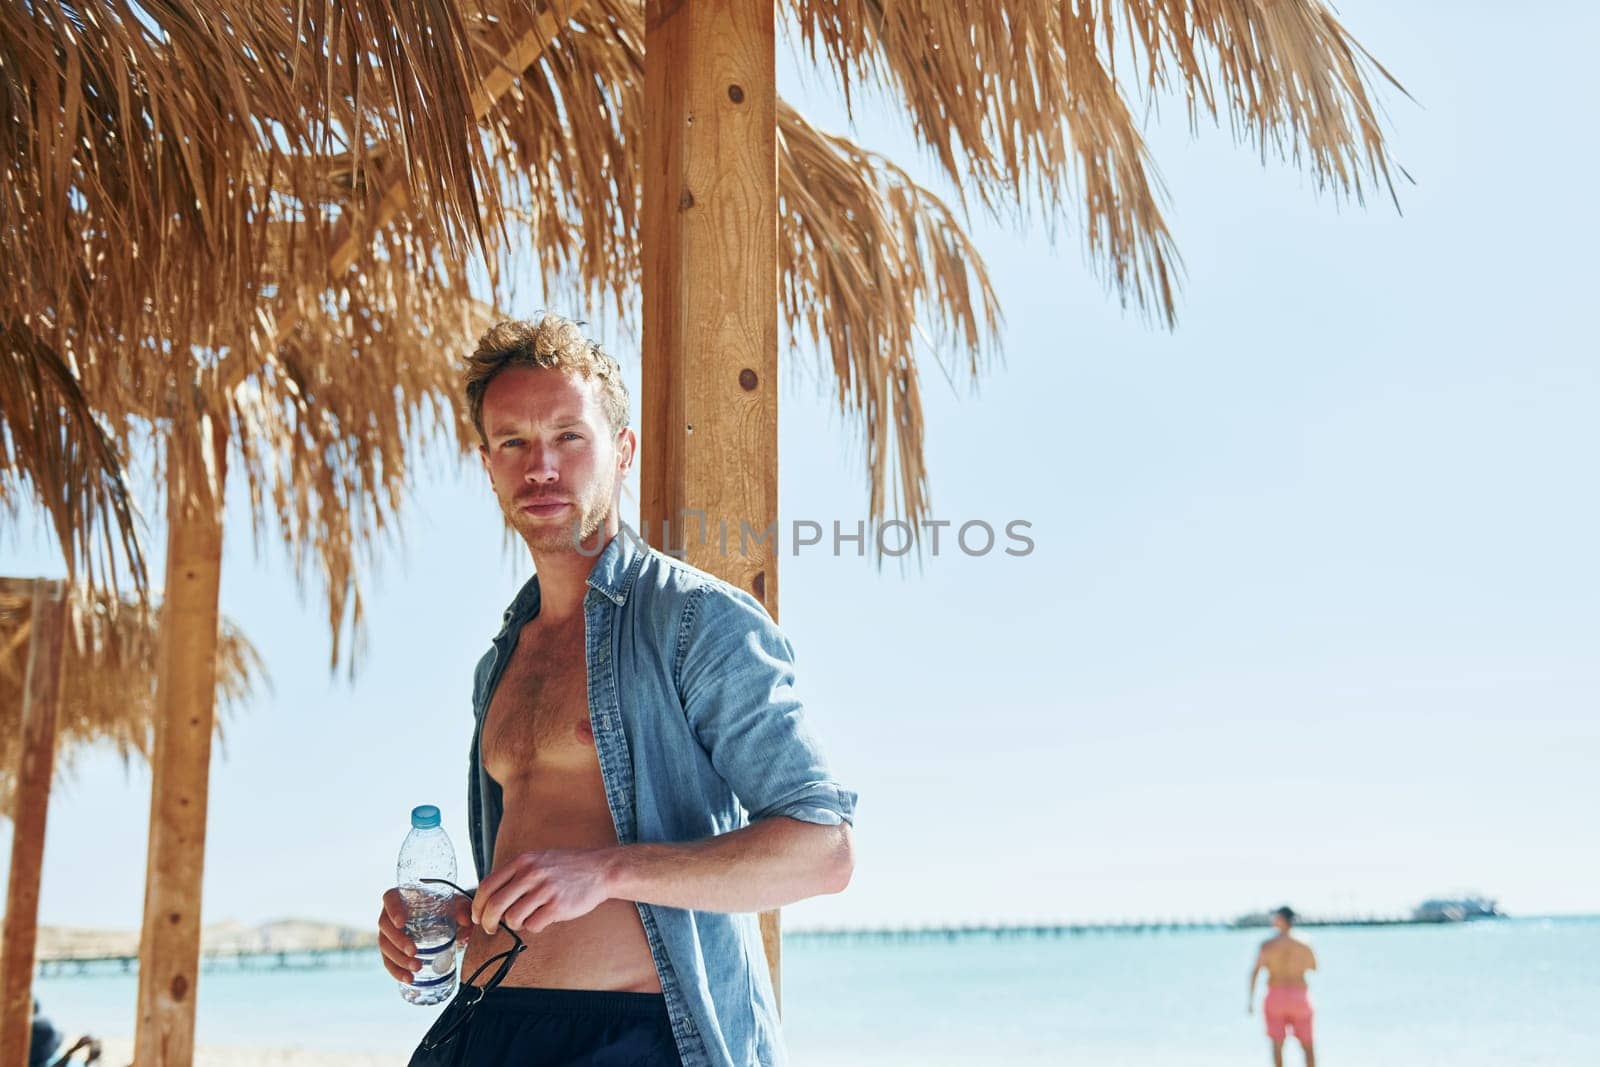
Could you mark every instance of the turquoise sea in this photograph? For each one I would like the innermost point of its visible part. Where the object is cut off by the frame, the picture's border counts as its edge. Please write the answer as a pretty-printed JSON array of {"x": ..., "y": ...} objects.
[{"x": 1491, "y": 994}]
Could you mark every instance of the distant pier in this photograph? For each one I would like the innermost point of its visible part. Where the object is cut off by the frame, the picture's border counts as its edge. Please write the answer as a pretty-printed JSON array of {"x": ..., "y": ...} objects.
[
  {"x": 1012, "y": 931},
  {"x": 296, "y": 946},
  {"x": 348, "y": 948}
]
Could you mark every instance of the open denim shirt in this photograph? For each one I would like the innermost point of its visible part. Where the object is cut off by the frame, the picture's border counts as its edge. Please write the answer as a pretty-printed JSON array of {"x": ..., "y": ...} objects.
[{"x": 698, "y": 730}]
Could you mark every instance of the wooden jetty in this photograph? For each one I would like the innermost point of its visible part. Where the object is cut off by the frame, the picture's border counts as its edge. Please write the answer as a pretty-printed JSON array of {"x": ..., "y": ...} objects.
[
  {"x": 308, "y": 946},
  {"x": 218, "y": 959},
  {"x": 287, "y": 944},
  {"x": 1044, "y": 931}
]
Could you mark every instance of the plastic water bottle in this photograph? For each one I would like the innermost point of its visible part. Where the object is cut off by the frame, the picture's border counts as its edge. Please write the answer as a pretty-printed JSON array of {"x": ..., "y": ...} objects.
[{"x": 430, "y": 909}]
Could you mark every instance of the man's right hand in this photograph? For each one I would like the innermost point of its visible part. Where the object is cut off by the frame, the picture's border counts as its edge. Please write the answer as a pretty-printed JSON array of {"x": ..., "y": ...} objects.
[{"x": 399, "y": 951}]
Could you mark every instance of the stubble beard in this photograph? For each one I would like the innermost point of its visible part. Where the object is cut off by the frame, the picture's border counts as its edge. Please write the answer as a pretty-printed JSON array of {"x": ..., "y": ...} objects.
[{"x": 568, "y": 532}]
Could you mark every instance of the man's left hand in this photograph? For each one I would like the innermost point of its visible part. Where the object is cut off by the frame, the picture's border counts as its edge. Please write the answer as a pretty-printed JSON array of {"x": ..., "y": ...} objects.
[{"x": 535, "y": 889}]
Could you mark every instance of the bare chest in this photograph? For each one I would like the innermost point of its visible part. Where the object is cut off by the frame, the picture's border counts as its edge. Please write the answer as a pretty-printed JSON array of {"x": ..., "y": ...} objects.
[
  {"x": 1286, "y": 959},
  {"x": 539, "y": 715}
]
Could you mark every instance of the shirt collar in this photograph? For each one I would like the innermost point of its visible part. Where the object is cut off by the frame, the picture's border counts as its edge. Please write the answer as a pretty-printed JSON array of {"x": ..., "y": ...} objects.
[
  {"x": 611, "y": 576},
  {"x": 523, "y": 607},
  {"x": 613, "y": 573}
]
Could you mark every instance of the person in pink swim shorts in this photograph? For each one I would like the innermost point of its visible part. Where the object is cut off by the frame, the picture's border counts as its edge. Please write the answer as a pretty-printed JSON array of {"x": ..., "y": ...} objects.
[{"x": 1286, "y": 959}]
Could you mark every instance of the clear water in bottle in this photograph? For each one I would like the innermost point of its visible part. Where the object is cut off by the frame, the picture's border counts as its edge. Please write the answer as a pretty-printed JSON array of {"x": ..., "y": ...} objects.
[{"x": 431, "y": 924}]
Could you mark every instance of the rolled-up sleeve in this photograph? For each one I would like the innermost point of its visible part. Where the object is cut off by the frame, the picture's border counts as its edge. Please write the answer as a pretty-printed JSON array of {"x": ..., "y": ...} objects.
[{"x": 736, "y": 679}]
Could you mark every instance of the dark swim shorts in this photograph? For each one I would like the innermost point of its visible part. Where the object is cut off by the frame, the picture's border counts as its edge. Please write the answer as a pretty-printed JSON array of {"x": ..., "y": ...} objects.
[{"x": 535, "y": 1027}]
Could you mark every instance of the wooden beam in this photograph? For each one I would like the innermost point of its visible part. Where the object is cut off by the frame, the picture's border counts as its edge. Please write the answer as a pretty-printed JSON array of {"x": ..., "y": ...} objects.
[
  {"x": 41, "y": 701},
  {"x": 353, "y": 232},
  {"x": 186, "y": 689},
  {"x": 709, "y": 409}
]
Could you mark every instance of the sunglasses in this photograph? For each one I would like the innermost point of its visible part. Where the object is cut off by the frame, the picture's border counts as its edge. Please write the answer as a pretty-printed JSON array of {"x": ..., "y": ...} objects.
[{"x": 467, "y": 1007}]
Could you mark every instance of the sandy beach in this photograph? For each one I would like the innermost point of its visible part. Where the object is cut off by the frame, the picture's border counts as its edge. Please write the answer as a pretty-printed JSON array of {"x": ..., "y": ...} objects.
[{"x": 118, "y": 1052}]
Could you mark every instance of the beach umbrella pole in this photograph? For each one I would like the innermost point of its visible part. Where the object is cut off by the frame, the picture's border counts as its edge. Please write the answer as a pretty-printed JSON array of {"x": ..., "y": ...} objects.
[
  {"x": 169, "y": 945},
  {"x": 709, "y": 409},
  {"x": 41, "y": 699}
]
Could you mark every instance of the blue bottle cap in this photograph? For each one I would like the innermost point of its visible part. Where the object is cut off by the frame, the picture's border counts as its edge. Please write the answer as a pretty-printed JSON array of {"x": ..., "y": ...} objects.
[{"x": 424, "y": 817}]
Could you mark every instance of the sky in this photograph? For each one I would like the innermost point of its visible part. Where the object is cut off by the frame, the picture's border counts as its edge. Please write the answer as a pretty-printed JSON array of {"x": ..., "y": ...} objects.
[{"x": 1311, "y": 615}]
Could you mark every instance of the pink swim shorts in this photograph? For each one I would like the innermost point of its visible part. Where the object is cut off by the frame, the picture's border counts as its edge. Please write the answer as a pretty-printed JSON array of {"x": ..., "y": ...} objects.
[{"x": 1288, "y": 1008}]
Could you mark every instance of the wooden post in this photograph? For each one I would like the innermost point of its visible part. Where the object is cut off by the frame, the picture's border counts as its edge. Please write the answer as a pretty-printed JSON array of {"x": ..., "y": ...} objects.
[
  {"x": 709, "y": 410},
  {"x": 41, "y": 699},
  {"x": 186, "y": 686}
]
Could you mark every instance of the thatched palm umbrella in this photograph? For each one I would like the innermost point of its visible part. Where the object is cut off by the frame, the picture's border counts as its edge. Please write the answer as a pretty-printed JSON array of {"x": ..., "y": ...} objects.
[
  {"x": 199, "y": 208},
  {"x": 287, "y": 175},
  {"x": 280, "y": 152},
  {"x": 242, "y": 234},
  {"x": 76, "y": 670},
  {"x": 108, "y": 693}
]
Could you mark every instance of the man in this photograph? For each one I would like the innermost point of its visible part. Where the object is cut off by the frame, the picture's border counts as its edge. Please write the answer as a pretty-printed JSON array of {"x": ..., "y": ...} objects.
[
  {"x": 1286, "y": 960},
  {"x": 44, "y": 1046},
  {"x": 642, "y": 782}
]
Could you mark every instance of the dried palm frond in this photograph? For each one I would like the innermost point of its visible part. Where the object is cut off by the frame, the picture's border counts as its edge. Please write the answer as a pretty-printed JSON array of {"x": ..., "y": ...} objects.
[
  {"x": 566, "y": 131},
  {"x": 853, "y": 228},
  {"x": 1020, "y": 103},
  {"x": 148, "y": 145},
  {"x": 109, "y": 685},
  {"x": 52, "y": 438},
  {"x": 328, "y": 431}
]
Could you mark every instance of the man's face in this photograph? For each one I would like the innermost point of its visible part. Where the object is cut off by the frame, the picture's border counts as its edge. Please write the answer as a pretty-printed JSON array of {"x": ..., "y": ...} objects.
[{"x": 553, "y": 459}]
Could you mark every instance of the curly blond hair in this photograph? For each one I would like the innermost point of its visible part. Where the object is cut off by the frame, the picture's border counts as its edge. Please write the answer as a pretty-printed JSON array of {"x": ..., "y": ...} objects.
[{"x": 549, "y": 341}]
